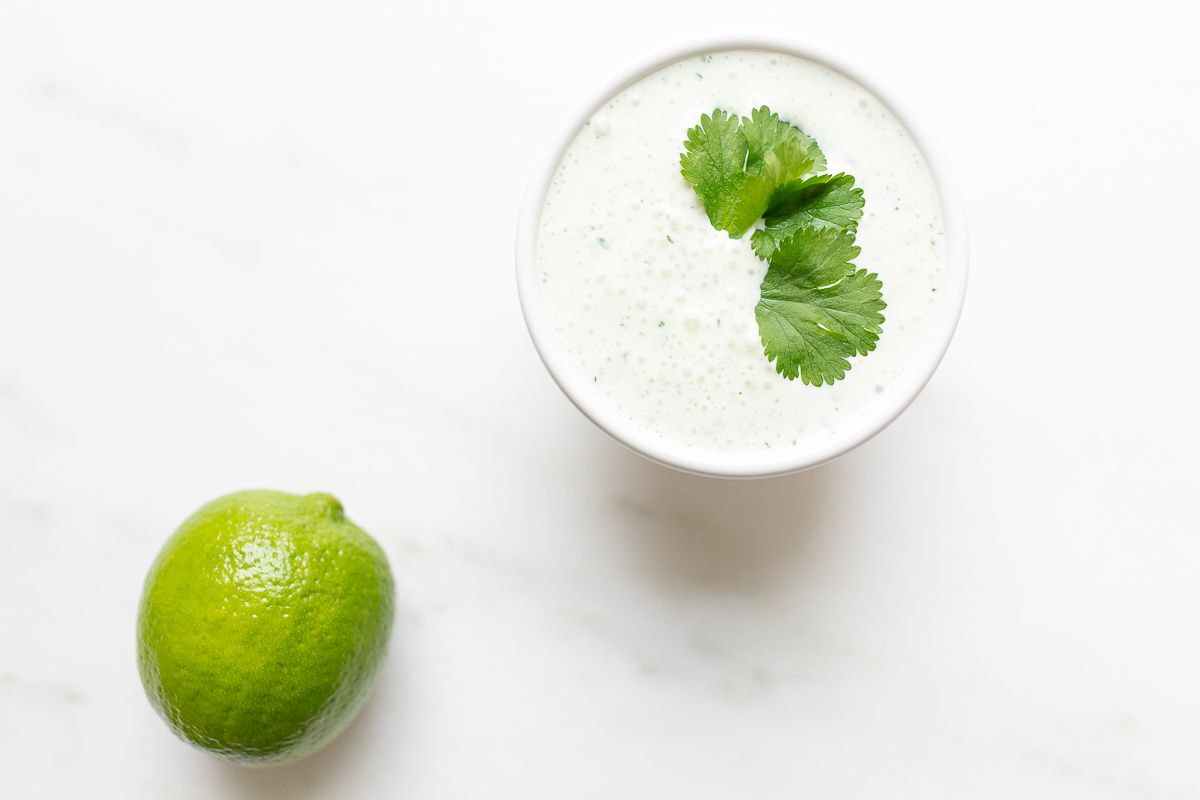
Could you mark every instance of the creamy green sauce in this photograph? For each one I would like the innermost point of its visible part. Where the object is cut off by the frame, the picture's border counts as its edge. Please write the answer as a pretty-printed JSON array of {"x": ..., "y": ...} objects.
[{"x": 655, "y": 309}]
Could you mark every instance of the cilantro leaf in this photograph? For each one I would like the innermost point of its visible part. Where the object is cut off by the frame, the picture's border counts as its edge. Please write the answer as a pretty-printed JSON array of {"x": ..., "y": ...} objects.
[
  {"x": 822, "y": 201},
  {"x": 816, "y": 310},
  {"x": 737, "y": 165},
  {"x": 715, "y": 154},
  {"x": 765, "y": 131}
]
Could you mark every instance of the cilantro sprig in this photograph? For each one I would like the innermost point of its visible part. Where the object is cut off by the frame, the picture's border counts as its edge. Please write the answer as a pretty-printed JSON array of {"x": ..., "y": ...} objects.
[{"x": 816, "y": 308}]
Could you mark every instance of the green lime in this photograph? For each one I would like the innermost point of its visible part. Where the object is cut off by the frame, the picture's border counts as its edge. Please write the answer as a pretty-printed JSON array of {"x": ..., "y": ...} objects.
[{"x": 262, "y": 623}]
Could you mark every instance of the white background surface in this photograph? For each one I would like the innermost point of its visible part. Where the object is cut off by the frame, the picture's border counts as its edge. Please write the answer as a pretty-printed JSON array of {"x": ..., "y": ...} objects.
[{"x": 270, "y": 245}]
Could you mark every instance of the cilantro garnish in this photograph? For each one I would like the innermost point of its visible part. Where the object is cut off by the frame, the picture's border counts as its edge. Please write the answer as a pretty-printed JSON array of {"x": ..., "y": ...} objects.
[{"x": 816, "y": 309}]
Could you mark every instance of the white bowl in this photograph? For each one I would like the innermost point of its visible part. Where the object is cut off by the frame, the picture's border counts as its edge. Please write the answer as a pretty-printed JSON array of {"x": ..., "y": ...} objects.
[{"x": 756, "y": 464}]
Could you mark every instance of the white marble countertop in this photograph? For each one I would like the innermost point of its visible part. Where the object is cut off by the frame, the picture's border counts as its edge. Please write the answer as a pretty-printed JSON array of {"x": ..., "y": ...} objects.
[{"x": 228, "y": 233}]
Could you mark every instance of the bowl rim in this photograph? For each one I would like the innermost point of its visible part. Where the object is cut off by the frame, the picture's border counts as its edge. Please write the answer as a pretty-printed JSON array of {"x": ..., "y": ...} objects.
[{"x": 739, "y": 464}]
